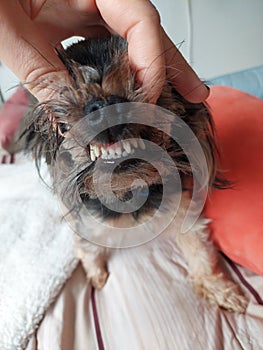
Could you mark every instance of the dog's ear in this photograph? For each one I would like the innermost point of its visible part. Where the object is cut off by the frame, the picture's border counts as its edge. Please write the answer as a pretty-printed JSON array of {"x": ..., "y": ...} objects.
[
  {"x": 200, "y": 120},
  {"x": 198, "y": 117},
  {"x": 80, "y": 74}
]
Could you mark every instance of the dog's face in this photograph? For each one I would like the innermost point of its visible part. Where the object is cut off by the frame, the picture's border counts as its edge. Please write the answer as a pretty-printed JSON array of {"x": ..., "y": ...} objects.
[{"x": 75, "y": 126}]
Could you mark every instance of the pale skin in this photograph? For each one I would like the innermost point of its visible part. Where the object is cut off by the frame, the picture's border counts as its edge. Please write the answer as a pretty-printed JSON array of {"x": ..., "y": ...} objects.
[{"x": 31, "y": 29}]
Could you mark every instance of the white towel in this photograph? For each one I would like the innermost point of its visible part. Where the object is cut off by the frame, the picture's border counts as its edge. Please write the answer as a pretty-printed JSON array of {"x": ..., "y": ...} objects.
[{"x": 36, "y": 252}]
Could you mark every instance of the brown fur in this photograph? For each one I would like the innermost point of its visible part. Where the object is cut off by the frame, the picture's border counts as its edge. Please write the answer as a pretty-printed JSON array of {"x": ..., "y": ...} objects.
[{"x": 46, "y": 138}]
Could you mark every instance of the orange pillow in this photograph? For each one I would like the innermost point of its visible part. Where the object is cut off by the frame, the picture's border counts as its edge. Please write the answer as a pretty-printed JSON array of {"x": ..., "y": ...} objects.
[{"x": 237, "y": 226}]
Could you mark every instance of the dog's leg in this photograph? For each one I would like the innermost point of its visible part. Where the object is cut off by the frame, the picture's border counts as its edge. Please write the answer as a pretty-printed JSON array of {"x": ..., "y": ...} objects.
[
  {"x": 204, "y": 271},
  {"x": 94, "y": 261}
]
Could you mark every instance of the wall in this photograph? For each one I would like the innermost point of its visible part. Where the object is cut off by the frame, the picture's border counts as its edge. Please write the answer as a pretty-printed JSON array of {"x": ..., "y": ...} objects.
[
  {"x": 7, "y": 81},
  {"x": 219, "y": 36}
]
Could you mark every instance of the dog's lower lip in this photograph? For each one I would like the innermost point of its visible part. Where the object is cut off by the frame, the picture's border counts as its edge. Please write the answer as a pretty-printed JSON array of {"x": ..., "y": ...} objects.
[{"x": 117, "y": 150}]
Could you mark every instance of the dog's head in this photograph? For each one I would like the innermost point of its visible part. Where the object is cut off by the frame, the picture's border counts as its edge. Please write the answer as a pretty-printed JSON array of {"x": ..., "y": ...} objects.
[{"x": 89, "y": 125}]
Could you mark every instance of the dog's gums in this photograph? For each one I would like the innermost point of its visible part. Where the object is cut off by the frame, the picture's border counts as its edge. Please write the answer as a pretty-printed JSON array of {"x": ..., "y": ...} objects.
[{"x": 91, "y": 131}]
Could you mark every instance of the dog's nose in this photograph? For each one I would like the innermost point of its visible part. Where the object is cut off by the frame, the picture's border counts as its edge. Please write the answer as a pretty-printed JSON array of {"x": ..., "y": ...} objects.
[
  {"x": 94, "y": 106},
  {"x": 97, "y": 118}
]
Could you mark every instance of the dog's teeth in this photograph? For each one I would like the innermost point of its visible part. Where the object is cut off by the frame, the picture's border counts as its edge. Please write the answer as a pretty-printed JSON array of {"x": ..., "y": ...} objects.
[
  {"x": 104, "y": 153},
  {"x": 141, "y": 144},
  {"x": 134, "y": 142},
  {"x": 92, "y": 155},
  {"x": 127, "y": 146},
  {"x": 118, "y": 151},
  {"x": 111, "y": 152},
  {"x": 96, "y": 151},
  {"x": 121, "y": 149}
]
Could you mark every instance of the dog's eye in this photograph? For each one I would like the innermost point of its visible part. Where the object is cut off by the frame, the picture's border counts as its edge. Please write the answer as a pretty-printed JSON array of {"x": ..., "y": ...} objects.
[{"x": 63, "y": 128}]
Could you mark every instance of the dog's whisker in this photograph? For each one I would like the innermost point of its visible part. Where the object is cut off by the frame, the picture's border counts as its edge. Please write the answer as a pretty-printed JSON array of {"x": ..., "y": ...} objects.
[
  {"x": 123, "y": 173},
  {"x": 164, "y": 53}
]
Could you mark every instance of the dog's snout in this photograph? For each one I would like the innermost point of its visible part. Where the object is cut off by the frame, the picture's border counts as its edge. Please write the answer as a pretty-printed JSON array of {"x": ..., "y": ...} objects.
[{"x": 96, "y": 105}]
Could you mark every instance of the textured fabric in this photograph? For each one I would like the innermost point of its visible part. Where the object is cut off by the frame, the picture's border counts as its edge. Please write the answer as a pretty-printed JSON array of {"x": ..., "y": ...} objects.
[
  {"x": 36, "y": 254},
  {"x": 148, "y": 303},
  {"x": 237, "y": 213}
]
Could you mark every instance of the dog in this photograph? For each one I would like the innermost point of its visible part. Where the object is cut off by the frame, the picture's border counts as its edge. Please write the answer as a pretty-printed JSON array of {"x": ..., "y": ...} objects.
[{"x": 77, "y": 130}]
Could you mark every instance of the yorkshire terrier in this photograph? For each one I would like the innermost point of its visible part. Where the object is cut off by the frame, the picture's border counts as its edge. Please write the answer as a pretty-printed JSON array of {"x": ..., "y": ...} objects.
[{"x": 102, "y": 78}]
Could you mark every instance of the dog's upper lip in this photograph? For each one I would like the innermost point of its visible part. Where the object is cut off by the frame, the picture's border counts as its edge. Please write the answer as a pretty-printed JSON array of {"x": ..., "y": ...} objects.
[{"x": 117, "y": 150}]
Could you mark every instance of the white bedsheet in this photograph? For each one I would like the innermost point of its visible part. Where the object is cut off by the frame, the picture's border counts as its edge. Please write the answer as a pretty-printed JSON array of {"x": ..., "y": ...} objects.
[{"x": 147, "y": 304}]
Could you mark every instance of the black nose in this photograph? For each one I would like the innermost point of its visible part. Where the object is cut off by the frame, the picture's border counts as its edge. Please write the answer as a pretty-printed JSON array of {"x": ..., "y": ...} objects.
[
  {"x": 99, "y": 104},
  {"x": 94, "y": 106}
]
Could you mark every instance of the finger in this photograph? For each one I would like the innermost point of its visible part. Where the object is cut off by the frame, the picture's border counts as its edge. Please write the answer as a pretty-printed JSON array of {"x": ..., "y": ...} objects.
[
  {"x": 59, "y": 19},
  {"x": 93, "y": 32},
  {"x": 181, "y": 75},
  {"x": 139, "y": 23},
  {"x": 31, "y": 58}
]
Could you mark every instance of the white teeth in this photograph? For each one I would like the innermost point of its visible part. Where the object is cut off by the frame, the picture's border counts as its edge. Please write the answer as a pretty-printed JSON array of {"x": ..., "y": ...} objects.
[
  {"x": 92, "y": 155},
  {"x": 141, "y": 144},
  {"x": 127, "y": 146},
  {"x": 104, "y": 153},
  {"x": 111, "y": 152},
  {"x": 134, "y": 142},
  {"x": 118, "y": 150},
  {"x": 96, "y": 151}
]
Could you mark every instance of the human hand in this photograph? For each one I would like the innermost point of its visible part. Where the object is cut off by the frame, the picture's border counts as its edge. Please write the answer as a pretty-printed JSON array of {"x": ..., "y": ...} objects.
[{"x": 30, "y": 29}]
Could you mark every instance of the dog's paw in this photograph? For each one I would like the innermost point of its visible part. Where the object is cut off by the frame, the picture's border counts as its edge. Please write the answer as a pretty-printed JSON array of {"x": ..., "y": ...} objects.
[
  {"x": 98, "y": 277},
  {"x": 94, "y": 265},
  {"x": 222, "y": 292},
  {"x": 235, "y": 302}
]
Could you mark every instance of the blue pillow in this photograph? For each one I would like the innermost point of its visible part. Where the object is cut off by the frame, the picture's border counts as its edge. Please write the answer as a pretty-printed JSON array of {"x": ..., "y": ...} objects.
[{"x": 249, "y": 80}]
